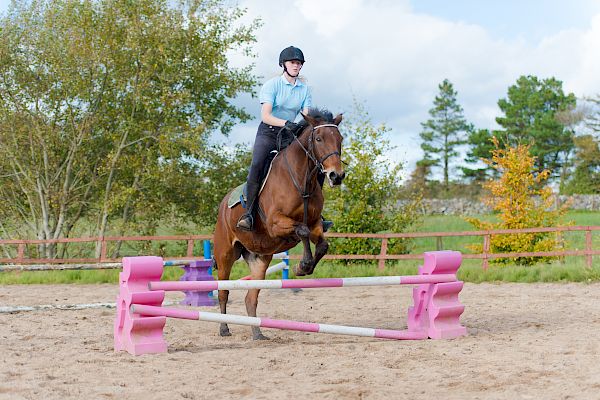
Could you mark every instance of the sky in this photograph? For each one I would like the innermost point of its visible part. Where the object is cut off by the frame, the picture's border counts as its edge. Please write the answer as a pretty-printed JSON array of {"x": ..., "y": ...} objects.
[{"x": 391, "y": 55}]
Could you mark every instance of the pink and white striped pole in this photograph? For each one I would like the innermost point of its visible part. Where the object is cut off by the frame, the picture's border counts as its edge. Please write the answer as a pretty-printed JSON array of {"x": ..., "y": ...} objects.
[
  {"x": 301, "y": 283},
  {"x": 277, "y": 323}
]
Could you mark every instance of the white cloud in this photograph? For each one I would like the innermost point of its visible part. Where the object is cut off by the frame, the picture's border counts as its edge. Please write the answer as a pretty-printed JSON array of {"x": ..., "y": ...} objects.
[{"x": 392, "y": 58}]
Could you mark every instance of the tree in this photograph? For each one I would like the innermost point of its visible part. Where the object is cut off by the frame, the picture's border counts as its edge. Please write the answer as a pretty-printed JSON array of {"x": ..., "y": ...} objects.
[
  {"x": 419, "y": 181},
  {"x": 218, "y": 173},
  {"x": 592, "y": 118},
  {"x": 530, "y": 117},
  {"x": 445, "y": 131},
  {"x": 585, "y": 178},
  {"x": 104, "y": 103},
  {"x": 522, "y": 200},
  {"x": 368, "y": 201},
  {"x": 480, "y": 148}
]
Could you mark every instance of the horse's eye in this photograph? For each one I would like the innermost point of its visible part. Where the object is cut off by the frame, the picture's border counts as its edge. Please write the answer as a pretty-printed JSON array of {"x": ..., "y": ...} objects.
[{"x": 318, "y": 139}]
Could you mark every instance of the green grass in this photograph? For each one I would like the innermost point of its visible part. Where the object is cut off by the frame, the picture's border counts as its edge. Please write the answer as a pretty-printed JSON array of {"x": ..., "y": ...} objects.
[{"x": 573, "y": 269}]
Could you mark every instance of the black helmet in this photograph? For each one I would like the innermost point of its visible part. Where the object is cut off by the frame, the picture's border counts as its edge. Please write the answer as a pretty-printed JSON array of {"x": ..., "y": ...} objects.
[{"x": 289, "y": 54}]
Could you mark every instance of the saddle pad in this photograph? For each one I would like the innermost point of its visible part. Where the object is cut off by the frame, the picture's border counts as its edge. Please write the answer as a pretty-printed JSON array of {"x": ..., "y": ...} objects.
[{"x": 236, "y": 194}]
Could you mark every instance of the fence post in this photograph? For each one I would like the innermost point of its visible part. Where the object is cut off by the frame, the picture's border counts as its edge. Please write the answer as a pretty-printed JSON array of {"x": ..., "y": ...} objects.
[
  {"x": 20, "y": 252},
  {"x": 103, "y": 249},
  {"x": 383, "y": 253},
  {"x": 486, "y": 250},
  {"x": 588, "y": 248},
  {"x": 190, "y": 248},
  {"x": 439, "y": 244}
]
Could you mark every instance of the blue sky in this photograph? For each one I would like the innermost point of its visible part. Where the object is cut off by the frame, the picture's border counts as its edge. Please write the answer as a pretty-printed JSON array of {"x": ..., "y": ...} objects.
[
  {"x": 392, "y": 54},
  {"x": 510, "y": 19}
]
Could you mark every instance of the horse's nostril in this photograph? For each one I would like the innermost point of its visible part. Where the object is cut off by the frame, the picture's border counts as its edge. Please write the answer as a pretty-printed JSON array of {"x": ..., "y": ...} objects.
[
  {"x": 343, "y": 175},
  {"x": 332, "y": 175}
]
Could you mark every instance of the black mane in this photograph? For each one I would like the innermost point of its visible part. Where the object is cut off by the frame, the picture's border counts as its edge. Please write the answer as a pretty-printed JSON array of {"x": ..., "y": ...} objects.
[{"x": 322, "y": 115}]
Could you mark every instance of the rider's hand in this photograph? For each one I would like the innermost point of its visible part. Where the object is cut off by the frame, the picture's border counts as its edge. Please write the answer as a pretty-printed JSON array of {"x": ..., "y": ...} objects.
[{"x": 291, "y": 126}]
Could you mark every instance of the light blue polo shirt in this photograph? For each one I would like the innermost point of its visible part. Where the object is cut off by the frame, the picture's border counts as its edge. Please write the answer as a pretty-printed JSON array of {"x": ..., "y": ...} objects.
[{"x": 287, "y": 99}]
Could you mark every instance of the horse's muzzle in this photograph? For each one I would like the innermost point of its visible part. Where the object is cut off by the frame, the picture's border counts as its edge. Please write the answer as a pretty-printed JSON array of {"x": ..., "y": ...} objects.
[{"x": 336, "y": 179}]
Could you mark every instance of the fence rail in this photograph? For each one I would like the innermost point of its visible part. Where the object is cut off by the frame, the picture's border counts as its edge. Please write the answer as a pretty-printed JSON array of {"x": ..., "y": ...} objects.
[{"x": 383, "y": 255}]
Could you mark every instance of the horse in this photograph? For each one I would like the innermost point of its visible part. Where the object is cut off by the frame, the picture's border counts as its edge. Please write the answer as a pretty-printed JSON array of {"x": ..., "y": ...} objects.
[{"x": 289, "y": 212}]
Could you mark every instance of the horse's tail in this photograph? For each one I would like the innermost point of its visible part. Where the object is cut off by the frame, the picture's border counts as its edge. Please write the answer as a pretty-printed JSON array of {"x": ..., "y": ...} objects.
[{"x": 214, "y": 263}]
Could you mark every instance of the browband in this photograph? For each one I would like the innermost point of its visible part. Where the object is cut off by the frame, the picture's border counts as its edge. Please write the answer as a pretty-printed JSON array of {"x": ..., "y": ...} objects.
[{"x": 325, "y": 125}]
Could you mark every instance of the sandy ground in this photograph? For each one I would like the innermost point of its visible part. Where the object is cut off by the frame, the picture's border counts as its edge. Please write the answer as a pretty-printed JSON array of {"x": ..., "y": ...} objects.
[{"x": 526, "y": 341}]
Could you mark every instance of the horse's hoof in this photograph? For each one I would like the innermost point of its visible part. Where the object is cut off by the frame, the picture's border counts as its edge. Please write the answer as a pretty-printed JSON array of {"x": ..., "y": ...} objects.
[
  {"x": 260, "y": 336},
  {"x": 224, "y": 332},
  {"x": 299, "y": 272}
]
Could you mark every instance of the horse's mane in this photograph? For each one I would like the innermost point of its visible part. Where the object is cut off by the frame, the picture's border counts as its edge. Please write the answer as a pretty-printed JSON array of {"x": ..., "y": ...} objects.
[{"x": 322, "y": 115}]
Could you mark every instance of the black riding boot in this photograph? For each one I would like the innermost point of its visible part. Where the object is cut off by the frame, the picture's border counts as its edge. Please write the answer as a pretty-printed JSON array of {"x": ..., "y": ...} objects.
[
  {"x": 326, "y": 223},
  {"x": 246, "y": 221}
]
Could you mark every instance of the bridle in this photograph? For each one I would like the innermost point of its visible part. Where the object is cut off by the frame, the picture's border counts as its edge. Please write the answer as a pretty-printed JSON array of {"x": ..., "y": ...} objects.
[{"x": 305, "y": 193}]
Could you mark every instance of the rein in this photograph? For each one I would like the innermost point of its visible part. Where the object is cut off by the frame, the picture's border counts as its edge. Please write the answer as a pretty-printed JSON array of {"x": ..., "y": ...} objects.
[{"x": 310, "y": 155}]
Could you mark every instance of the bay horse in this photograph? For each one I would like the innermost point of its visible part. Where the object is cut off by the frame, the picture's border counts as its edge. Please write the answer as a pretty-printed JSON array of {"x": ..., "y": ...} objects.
[{"x": 290, "y": 206}]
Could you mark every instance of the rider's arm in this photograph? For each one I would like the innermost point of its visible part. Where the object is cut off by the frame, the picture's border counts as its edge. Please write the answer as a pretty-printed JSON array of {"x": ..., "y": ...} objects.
[
  {"x": 266, "y": 115},
  {"x": 307, "y": 103}
]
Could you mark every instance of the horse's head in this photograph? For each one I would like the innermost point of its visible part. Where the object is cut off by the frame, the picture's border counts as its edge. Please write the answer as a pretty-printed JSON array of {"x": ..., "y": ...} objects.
[{"x": 326, "y": 141}]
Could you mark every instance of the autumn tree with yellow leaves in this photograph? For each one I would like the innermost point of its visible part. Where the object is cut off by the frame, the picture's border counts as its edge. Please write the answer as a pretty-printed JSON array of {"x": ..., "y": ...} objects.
[{"x": 522, "y": 200}]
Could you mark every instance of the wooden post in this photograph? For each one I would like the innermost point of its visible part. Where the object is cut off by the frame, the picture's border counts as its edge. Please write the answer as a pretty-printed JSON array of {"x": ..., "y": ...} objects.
[
  {"x": 103, "y": 250},
  {"x": 588, "y": 248},
  {"x": 383, "y": 254},
  {"x": 20, "y": 252},
  {"x": 486, "y": 250},
  {"x": 439, "y": 244},
  {"x": 190, "y": 248}
]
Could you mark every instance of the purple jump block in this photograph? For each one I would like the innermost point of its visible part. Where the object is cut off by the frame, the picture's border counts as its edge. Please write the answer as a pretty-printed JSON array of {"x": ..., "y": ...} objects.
[{"x": 198, "y": 271}]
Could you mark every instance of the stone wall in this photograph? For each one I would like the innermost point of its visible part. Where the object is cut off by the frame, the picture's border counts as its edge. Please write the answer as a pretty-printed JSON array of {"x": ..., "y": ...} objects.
[{"x": 459, "y": 206}]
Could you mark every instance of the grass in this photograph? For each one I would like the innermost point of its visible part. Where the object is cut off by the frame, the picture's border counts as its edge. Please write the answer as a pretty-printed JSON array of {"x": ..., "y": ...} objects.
[{"x": 572, "y": 269}]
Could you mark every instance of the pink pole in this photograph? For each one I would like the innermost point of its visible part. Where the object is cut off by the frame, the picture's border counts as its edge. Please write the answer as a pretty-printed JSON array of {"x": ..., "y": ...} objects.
[
  {"x": 278, "y": 323},
  {"x": 300, "y": 283}
]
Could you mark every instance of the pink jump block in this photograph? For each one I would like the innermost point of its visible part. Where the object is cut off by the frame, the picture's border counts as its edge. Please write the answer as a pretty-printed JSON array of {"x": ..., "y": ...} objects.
[{"x": 141, "y": 318}]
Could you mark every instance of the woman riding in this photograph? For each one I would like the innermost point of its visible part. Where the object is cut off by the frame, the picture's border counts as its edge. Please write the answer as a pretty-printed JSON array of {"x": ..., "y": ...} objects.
[{"x": 282, "y": 98}]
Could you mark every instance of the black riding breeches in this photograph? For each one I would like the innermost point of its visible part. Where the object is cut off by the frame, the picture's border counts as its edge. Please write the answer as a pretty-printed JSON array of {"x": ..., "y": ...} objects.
[{"x": 264, "y": 144}]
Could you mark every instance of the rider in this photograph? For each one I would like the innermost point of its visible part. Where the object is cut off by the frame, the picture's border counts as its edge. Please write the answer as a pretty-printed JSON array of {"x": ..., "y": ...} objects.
[{"x": 282, "y": 98}]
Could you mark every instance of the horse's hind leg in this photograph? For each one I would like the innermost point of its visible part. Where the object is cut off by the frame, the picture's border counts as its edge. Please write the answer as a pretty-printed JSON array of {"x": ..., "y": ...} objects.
[
  {"x": 224, "y": 259},
  {"x": 258, "y": 268}
]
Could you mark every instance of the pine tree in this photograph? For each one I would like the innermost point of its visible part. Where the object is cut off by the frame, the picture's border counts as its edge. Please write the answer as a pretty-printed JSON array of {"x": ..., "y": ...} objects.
[
  {"x": 445, "y": 131},
  {"x": 531, "y": 115}
]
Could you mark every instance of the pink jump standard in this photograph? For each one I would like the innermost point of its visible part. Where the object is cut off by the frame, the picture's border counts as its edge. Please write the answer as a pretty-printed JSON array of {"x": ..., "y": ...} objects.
[{"x": 141, "y": 318}]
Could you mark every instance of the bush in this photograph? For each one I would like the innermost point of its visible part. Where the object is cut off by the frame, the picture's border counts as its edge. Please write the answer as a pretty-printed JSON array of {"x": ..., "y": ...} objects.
[{"x": 367, "y": 201}]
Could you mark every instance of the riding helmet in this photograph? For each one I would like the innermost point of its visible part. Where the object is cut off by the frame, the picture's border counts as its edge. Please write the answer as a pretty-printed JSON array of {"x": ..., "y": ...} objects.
[{"x": 289, "y": 54}]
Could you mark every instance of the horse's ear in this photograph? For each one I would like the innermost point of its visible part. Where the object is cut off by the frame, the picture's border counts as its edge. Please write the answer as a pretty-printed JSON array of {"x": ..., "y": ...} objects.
[
  {"x": 337, "y": 119},
  {"x": 311, "y": 121}
]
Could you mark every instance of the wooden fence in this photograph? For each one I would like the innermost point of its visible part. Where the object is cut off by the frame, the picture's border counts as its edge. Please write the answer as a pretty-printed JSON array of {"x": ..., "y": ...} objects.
[{"x": 383, "y": 255}]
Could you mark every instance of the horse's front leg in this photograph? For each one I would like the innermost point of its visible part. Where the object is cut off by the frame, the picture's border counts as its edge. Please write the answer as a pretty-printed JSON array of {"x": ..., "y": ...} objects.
[
  {"x": 321, "y": 245},
  {"x": 282, "y": 226},
  {"x": 307, "y": 264}
]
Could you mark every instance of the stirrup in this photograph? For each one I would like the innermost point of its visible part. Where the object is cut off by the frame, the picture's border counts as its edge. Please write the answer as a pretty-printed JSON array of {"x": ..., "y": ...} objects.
[{"x": 246, "y": 222}]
